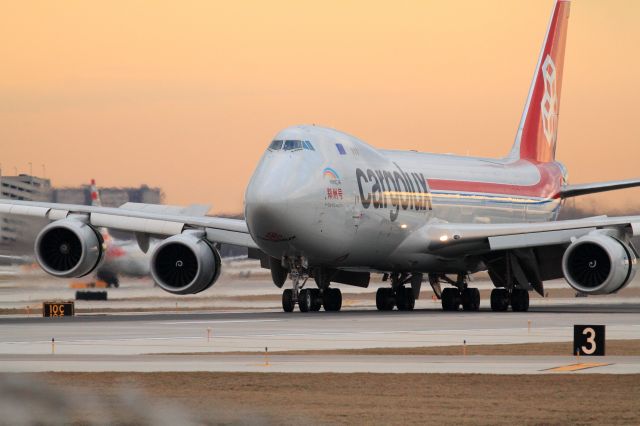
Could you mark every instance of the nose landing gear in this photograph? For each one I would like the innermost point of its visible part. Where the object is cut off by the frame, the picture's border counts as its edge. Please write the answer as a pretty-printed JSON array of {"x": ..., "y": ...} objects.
[{"x": 310, "y": 299}]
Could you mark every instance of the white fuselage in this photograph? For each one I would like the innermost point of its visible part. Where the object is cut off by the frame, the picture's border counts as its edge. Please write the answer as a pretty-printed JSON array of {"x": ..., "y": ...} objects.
[{"x": 346, "y": 204}]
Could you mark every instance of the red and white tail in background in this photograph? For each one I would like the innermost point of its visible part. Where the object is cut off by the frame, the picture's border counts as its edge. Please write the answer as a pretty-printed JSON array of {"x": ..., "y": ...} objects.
[
  {"x": 538, "y": 129},
  {"x": 95, "y": 195},
  {"x": 95, "y": 201}
]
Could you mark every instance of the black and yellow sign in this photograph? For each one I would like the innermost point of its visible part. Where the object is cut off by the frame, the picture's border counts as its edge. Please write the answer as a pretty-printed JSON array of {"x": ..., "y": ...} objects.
[
  {"x": 58, "y": 309},
  {"x": 588, "y": 340}
]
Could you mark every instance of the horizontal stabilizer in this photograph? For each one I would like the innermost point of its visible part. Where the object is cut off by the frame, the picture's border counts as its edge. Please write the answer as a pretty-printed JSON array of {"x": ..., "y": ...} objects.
[{"x": 593, "y": 188}]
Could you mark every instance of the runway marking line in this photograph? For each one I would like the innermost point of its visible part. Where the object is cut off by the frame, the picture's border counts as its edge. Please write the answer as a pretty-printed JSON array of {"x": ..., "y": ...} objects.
[
  {"x": 577, "y": 367},
  {"x": 215, "y": 321}
]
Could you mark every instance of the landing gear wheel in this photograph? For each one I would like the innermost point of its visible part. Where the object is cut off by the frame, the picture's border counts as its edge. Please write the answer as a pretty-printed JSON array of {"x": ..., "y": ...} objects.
[
  {"x": 405, "y": 299},
  {"x": 316, "y": 299},
  {"x": 305, "y": 300},
  {"x": 385, "y": 299},
  {"x": 499, "y": 300},
  {"x": 450, "y": 299},
  {"x": 471, "y": 299},
  {"x": 287, "y": 301},
  {"x": 380, "y": 299},
  {"x": 519, "y": 300},
  {"x": 332, "y": 299}
]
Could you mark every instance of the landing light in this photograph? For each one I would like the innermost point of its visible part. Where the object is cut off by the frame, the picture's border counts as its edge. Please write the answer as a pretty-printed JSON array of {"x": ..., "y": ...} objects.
[
  {"x": 403, "y": 226},
  {"x": 444, "y": 238}
]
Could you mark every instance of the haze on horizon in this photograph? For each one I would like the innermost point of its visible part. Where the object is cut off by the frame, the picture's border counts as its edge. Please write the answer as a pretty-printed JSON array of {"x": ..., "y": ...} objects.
[{"x": 187, "y": 95}]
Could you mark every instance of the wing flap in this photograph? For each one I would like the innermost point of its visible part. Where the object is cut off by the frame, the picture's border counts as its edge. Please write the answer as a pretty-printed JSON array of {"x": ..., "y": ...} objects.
[
  {"x": 536, "y": 239},
  {"x": 137, "y": 224},
  {"x": 24, "y": 210},
  {"x": 191, "y": 210}
]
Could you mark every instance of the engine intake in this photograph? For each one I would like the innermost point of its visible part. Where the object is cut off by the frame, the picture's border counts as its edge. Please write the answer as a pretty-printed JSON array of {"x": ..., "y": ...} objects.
[
  {"x": 598, "y": 264},
  {"x": 68, "y": 248},
  {"x": 185, "y": 264}
]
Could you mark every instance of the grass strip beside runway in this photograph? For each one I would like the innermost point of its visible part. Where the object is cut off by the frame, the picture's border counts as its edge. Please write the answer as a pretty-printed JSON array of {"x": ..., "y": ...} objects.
[{"x": 271, "y": 398}]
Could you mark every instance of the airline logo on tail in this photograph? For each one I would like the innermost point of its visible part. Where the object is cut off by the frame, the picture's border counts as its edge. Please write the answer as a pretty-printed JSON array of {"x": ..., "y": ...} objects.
[
  {"x": 537, "y": 133},
  {"x": 549, "y": 104}
]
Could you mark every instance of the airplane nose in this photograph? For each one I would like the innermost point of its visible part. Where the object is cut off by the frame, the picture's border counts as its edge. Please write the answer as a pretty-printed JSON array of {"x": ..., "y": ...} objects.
[
  {"x": 279, "y": 188},
  {"x": 266, "y": 201}
]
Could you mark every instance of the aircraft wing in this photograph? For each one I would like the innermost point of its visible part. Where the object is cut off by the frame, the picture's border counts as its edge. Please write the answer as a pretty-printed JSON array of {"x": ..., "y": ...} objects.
[
  {"x": 455, "y": 239},
  {"x": 16, "y": 260},
  {"x": 138, "y": 220}
]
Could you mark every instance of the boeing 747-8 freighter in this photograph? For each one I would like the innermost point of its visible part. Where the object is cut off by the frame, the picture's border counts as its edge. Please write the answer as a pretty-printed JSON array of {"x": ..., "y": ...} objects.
[{"x": 325, "y": 205}]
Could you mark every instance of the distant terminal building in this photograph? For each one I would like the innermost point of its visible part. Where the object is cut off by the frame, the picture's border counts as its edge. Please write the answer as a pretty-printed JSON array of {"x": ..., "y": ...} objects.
[
  {"x": 18, "y": 234},
  {"x": 18, "y": 231}
]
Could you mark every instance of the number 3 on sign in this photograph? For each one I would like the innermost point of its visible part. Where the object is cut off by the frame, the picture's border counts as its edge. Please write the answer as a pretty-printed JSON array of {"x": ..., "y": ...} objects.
[
  {"x": 588, "y": 340},
  {"x": 591, "y": 340}
]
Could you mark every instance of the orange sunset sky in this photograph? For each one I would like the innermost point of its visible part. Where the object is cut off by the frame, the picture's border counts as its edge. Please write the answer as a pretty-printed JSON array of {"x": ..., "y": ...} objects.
[{"x": 186, "y": 95}]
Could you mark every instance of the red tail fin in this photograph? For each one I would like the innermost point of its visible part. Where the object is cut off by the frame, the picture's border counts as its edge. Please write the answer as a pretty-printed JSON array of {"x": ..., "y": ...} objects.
[{"x": 538, "y": 130}]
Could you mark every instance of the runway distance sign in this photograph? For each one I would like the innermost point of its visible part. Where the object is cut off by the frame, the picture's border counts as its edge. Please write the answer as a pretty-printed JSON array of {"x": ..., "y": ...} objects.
[
  {"x": 58, "y": 309},
  {"x": 588, "y": 340}
]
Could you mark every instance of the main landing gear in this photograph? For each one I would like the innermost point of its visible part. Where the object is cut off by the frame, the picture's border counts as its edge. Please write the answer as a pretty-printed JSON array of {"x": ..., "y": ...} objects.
[
  {"x": 404, "y": 298},
  {"x": 501, "y": 298},
  {"x": 310, "y": 299},
  {"x": 459, "y": 295}
]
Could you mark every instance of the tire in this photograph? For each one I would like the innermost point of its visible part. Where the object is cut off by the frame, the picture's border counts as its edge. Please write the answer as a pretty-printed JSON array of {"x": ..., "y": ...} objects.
[
  {"x": 316, "y": 299},
  {"x": 287, "y": 300},
  {"x": 332, "y": 299},
  {"x": 450, "y": 299},
  {"x": 519, "y": 300},
  {"x": 499, "y": 300},
  {"x": 389, "y": 299},
  {"x": 305, "y": 300},
  {"x": 401, "y": 298},
  {"x": 337, "y": 298},
  {"x": 109, "y": 277},
  {"x": 410, "y": 300},
  {"x": 380, "y": 296},
  {"x": 405, "y": 300},
  {"x": 471, "y": 299}
]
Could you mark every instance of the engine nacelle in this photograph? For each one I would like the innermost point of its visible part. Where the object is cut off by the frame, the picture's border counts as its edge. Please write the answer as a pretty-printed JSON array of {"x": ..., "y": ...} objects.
[
  {"x": 68, "y": 248},
  {"x": 598, "y": 264},
  {"x": 185, "y": 264}
]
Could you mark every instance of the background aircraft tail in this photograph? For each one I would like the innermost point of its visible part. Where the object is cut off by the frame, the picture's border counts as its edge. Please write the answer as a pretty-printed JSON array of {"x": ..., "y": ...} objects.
[
  {"x": 537, "y": 133},
  {"x": 95, "y": 201},
  {"x": 95, "y": 195}
]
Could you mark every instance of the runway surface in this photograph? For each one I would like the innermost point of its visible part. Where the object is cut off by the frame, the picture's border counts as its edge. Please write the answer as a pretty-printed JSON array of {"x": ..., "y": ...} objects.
[
  {"x": 322, "y": 364},
  {"x": 126, "y": 342},
  {"x": 243, "y": 314}
]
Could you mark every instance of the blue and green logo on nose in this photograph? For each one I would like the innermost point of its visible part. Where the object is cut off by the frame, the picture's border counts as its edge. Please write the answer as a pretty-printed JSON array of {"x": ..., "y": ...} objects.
[{"x": 330, "y": 174}]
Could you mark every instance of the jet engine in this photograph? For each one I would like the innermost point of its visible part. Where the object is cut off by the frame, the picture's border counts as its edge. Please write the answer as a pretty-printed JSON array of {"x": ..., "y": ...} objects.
[
  {"x": 185, "y": 264},
  {"x": 68, "y": 248},
  {"x": 598, "y": 264}
]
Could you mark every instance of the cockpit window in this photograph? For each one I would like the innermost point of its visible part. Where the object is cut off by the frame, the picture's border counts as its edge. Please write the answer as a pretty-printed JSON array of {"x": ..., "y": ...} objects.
[
  {"x": 290, "y": 145},
  {"x": 275, "y": 145}
]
